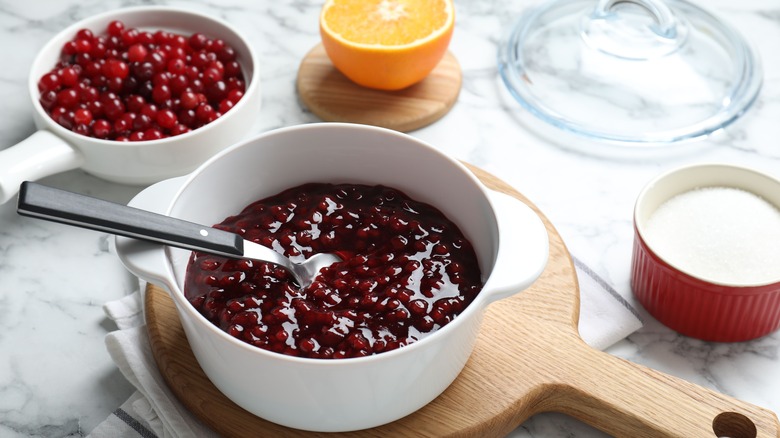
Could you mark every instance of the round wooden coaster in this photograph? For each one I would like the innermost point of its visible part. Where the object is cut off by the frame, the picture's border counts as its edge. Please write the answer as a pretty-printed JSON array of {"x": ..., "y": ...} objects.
[{"x": 333, "y": 98}]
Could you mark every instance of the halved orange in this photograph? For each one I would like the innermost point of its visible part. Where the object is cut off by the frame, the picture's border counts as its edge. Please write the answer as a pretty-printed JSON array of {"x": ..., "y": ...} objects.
[{"x": 386, "y": 44}]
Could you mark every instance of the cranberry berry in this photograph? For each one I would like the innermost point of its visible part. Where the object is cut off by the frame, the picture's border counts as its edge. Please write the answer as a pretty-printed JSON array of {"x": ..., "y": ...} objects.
[
  {"x": 102, "y": 83},
  {"x": 406, "y": 272}
]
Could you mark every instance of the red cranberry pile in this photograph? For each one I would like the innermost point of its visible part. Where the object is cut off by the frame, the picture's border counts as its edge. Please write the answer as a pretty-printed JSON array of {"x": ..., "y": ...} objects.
[
  {"x": 133, "y": 85},
  {"x": 406, "y": 271}
]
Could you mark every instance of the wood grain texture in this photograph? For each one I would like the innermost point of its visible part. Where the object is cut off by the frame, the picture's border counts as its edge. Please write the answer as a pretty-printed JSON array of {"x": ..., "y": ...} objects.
[
  {"x": 332, "y": 97},
  {"x": 528, "y": 359}
]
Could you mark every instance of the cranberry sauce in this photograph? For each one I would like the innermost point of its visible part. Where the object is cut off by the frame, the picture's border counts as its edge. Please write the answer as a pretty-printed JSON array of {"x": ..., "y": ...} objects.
[
  {"x": 406, "y": 271},
  {"x": 133, "y": 85}
]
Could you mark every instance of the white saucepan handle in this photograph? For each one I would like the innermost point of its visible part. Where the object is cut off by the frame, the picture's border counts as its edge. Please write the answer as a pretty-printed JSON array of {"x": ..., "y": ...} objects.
[
  {"x": 147, "y": 260},
  {"x": 523, "y": 247},
  {"x": 39, "y": 155}
]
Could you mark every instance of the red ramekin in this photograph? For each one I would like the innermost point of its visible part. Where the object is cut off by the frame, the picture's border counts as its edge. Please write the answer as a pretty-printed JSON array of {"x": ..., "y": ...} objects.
[{"x": 691, "y": 305}]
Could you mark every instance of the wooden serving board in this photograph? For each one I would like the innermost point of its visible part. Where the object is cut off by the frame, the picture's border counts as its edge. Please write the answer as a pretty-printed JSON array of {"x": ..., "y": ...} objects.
[
  {"x": 332, "y": 97},
  {"x": 528, "y": 359}
]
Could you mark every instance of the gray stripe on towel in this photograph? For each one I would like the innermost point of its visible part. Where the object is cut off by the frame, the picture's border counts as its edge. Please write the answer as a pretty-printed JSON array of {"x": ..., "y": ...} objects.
[
  {"x": 134, "y": 424},
  {"x": 589, "y": 272}
]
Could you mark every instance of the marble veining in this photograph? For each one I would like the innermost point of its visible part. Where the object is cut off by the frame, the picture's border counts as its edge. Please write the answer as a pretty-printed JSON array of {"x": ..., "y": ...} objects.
[{"x": 56, "y": 378}]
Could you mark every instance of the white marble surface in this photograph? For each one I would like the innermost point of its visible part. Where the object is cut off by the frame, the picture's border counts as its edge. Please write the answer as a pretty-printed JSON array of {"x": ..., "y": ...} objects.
[{"x": 56, "y": 378}]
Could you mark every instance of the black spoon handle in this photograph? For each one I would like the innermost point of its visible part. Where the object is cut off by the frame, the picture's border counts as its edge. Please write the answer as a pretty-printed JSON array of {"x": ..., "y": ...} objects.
[{"x": 39, "y": 201}]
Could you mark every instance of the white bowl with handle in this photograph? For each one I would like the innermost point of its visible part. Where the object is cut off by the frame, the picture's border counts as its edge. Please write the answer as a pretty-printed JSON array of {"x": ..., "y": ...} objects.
[
  {"x": 509, "y": 239},
  {"x": 54, "y": 149}
]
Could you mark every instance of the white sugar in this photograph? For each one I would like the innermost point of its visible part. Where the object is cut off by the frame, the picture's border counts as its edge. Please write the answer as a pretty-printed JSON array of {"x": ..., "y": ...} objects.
[{"x": 720, "y": 234}]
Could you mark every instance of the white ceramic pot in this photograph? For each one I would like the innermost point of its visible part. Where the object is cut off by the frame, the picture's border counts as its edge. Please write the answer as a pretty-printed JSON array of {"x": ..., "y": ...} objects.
[
  {"x": 53, "y": 149},
  {"x": 510, "y": 241}
]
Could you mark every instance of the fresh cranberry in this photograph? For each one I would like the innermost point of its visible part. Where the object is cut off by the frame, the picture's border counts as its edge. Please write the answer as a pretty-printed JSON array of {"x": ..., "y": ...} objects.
[
  {"x": 48, "y": 100},
  {"x": 196, "y": 85},
  {"x": 226, "y": 54},
  {"x": 131, "y": 86},
  {"x": 161, "y": 37},
  {"x": 48, "y": 82},
  {"x": 83, "y": 46},
  {"x": 225, "y": 106},
  {"x": 213, "y": 74},
  {"x": 143, "y": 70},
  {"x": 232, "y": 69},
  {"x": 205, "y": 113},
  {"x": 142, "y": 122},
  {"x": 178, "y": 41},
  {"x": 114, "y": 68},
  {"x": 189, "y": 100},
  {"x": 134, "y": 103},
  {"x": 180, "y": 129},
  {"x": 215, "y": 45},
  {"x": 216, "y": 91},
  {"x": 158, "y": 60},
  {"x": 95, "y": 107},
  {"x": 406, "y": 272},
  {"x": 137, "y": 53},
  {"x": 113, "y": 108},
  {"x": 81, "y": 129},
  {"x": 82, "y": 116},
  {"x": 124, "y": 124},
  {"x": 187, "y": 117},
  {"x": 161, "y": 78},
  {"x": 234, "y": 96},
  {"x": 129, "y": 37},
  {"x": 177, "y": 66},
  {"x": 66, "y": 119},
  {"x": 200, "y": 60},
  {"x": 145, "y": 38},
  {"x": 99, "y": 50},
  {"x": 68, "y": 97},
  {"x": 235, "y": 84},
  {"x": 153, "y": 134},
  {"x": 101, "y": 128},
  {"x": 68, "y": 76},
  {"x": 89, "y": 94},
  {"x": 179, "y": 84},
  {"x": 115, "y": 28},
  {"x": 145, "y": 90},
  {"x": 149, "y": 110},
  {"x": 114, "y": 84},
  {"x": 82, "y": 59},
  {"x": 161, "y": 93},
  {"x": 198, "y": 41},
  {"x": 117, "y": 77},
  {"x": 166, "y": 119}
]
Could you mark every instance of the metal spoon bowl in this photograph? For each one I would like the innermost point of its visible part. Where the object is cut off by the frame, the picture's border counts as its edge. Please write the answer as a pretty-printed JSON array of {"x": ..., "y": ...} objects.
[{"x": 42, "y": 202}]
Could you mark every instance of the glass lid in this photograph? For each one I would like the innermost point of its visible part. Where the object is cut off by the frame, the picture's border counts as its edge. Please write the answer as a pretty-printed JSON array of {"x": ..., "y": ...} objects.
[{"x": 638, "y": 73}]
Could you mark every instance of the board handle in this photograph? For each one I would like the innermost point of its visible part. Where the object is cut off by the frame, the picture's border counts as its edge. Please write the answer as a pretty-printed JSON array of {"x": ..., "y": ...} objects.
[{"x": 629, "y": 400}]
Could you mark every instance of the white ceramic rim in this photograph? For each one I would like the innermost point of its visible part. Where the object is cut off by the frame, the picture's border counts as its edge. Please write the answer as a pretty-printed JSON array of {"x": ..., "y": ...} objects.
[
  {"x": 751, "y": 179},
  {"x": 251, "y": 64}
]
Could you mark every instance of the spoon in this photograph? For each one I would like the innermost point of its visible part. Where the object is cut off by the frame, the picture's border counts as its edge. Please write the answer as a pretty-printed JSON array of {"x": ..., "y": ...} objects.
[{"x": 42, "y": 202}]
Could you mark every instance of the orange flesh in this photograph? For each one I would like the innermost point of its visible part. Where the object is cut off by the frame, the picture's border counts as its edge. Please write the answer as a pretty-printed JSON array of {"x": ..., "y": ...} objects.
[{"x": 385, "y": 22}]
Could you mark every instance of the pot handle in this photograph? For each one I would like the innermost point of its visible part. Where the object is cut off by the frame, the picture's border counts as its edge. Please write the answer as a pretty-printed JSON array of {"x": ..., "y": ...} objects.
[
  {"x": 39, "y": 155},
  {"x": 523, "y": 247},
  {"x": 146, "y": 260}
]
